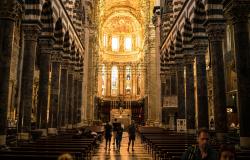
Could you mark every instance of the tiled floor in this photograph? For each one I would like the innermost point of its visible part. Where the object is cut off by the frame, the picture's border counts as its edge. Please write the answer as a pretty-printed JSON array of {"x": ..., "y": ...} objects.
[{"x": 139, "y": 154}]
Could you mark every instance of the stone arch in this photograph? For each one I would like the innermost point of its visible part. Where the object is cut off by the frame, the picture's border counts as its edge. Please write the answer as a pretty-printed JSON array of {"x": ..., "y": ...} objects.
[
  {"x": 66, "y": 46},
  {"x": 32, "y": 10},
  {"x": 199, "y": 31},
  {"x": 77, "y": 59},
  {"x": 162, "y": 58},
  {"x": 47, "y": 19},
  {"x": 162, "y": 62},
  {"x": 166, "y": 59},
  {"x": 187, "y": 35},
  {"x": 83, "y": 15},
  {"x": 58, "y": 34},
  {"x": 81, "y": 63},
  {"x": 178, "y": 45},
  {"x": 171, "y": 51},
  {"x": 72, "y": 52}
]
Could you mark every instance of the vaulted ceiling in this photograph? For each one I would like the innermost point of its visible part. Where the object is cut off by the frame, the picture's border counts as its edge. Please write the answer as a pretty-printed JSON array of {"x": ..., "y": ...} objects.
[{"x": 126, "y": 18}]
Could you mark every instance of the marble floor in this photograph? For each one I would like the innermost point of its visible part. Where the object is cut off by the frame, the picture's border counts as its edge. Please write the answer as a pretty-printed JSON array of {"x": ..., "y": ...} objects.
[{"x": 139, "y": 152}]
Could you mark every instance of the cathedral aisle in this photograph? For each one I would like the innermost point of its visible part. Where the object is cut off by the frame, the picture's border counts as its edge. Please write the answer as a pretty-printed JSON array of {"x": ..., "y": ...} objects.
[{"x": 139, "y": 154}]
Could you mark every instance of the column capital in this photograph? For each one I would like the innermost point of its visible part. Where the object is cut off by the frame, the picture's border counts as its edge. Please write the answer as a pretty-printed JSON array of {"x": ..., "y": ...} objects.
[
  {"x": 179, "y": 61},
  {"x": 200, "y": 47},
  {"x": 189, "y": 59},
  {"x": 10, "y": 10},
  {"x": 56, "y": 56},
  {"x": 215, "y": 32},
  {"x": 65, "y": 63},
  {"x": 46, "y": 43},
  {"x": 237, "y": 11},
  {"x": 31, "y": 31}
]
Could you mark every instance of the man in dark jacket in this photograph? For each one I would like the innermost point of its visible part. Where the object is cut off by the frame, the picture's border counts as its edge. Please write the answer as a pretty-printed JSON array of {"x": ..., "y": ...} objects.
[
  {"x": 202, "y": 150},
  {"x": 108, "y": 134},
  {"x": 131, "y": 133},
  {"x": 118, "y": 138}
]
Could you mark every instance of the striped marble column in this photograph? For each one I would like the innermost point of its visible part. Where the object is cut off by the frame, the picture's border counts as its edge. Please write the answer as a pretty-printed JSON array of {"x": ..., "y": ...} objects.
[
  {"x": 180, "y": 76},
  {"x": 30, "y": 43},
  {"x": 80, "y": 89},
  {"x": 46, "y": 42},
  {"x": 216, "y": 32},
  {"x": 9, "y": 12},
  {"x": 71, "y": 78},
  {"x": 239, "y": 14},
  {"x": 200, "y": 43},
  {"x": 56, "y": 58},
  {"x": 54, "y": 93},
  {"x": 64, "y": 104},
  {"x": 76, "y": 88},
  {"x": 189, "y": 78},
  {"x": 44, "y": 82}
]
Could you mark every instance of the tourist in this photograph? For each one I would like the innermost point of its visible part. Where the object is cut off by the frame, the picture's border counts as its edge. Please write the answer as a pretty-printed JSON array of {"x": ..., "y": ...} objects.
[
  {"x": 131, "y": 133},
  {"x": 108, "y": 134},
  {"x": 227, "y": 152},
  {"x": 202, "y": 150},
  {"x": 65, "y": 156},
  {"x": 119, "y": 133},
  {"x": 115, "y": 126}
]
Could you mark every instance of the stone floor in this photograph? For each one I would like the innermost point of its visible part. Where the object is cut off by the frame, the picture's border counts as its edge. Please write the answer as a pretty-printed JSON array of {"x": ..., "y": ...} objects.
[{"x": 139, "y": 152}]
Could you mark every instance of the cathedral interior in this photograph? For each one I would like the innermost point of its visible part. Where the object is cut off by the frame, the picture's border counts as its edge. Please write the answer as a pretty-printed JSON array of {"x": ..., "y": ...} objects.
[{"x": 169, "y": 66}]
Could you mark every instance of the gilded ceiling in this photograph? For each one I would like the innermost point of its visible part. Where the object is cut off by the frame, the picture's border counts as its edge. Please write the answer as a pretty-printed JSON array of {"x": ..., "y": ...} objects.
[
  {"x": 122, "y": 18},
  {"x": 121, "y": 24}
]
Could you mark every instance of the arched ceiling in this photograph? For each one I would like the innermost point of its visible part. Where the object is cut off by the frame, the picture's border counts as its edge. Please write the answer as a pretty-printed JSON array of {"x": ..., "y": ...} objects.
[
  {"x": 109, "y": 4},
  {"x": 123, "y": 17},
  {"x": 121, "y": 23}
]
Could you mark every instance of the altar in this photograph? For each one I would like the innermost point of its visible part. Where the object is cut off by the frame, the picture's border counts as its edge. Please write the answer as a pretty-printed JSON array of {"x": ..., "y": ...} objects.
[{"x": 122, "y": 116}]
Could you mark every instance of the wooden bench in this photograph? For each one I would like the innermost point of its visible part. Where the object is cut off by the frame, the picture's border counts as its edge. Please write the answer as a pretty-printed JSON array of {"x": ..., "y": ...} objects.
[{"x": 51, "y": 147}]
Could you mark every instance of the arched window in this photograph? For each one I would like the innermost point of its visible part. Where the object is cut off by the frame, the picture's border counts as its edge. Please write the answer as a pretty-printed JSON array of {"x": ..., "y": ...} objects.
[
  {"x": 103, "y": 80},
  {"x": 128, "y": 44},
  {"x": 115, "y": 43},
  {"x": 114, "y": 81},
  {"x": 128, "y": 80}
]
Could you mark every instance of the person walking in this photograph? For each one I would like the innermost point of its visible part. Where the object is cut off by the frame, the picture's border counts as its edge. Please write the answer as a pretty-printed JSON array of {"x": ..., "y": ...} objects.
[
  {"x": 119, "y": 133},
  {"x": 131, "y": 134},
  {"x": 202, "y": 150},
  {"x": 108, "y": 134},
  {"x": 115, "y": 126}
]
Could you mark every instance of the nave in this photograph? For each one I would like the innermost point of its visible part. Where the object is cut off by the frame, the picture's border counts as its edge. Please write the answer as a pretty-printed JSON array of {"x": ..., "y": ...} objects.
[
  {"x": 151, "y": 143},
  {"x": 139, "y": 152}
]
